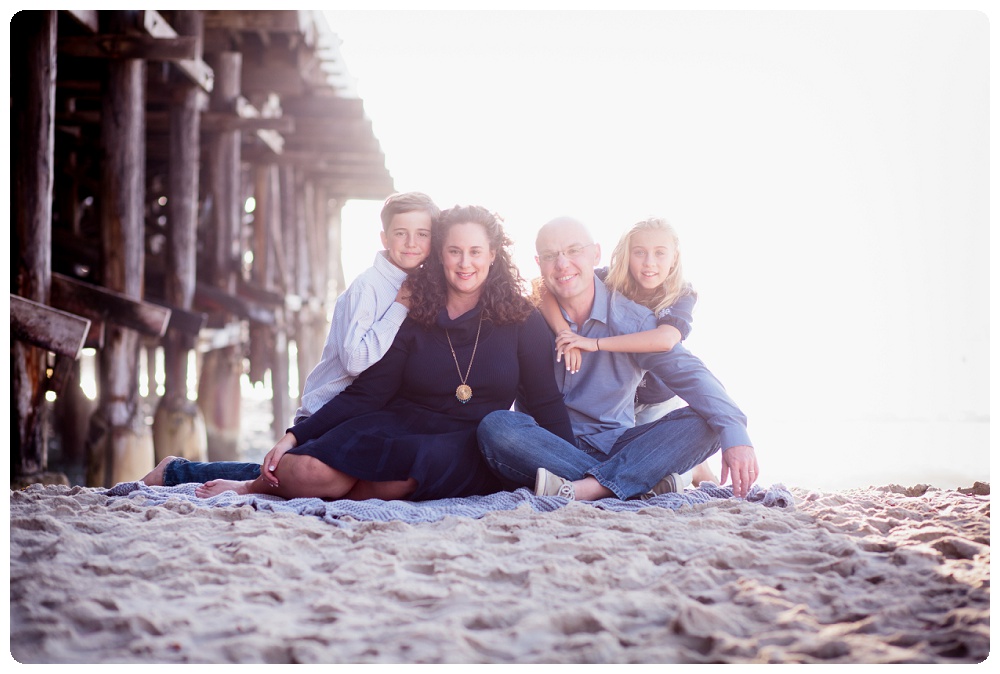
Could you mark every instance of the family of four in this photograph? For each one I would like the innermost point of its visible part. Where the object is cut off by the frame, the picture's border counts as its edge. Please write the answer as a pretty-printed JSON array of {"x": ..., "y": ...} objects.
[{"x": 440, "y": 378}]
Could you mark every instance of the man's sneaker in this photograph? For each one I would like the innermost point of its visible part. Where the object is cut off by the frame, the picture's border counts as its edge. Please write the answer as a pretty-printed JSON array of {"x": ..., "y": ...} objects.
[
  {"x": 548, "y": 484},
  {"x": 670, "y": 484}
]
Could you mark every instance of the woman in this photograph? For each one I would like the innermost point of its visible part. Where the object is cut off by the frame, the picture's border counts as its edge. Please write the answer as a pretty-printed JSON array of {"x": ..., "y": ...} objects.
[{"x": 406, "y": 427}]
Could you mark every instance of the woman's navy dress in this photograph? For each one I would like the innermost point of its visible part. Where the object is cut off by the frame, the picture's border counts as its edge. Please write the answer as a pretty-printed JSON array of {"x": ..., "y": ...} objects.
[{"x": 400, "y": 418}]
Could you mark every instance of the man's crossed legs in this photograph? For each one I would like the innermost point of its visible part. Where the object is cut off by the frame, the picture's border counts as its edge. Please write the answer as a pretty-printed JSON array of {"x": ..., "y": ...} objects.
[{"x": 516, "y": 447}]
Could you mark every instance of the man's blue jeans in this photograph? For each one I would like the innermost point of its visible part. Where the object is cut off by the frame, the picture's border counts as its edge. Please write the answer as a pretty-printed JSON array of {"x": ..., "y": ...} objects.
[
  {"x": 183, "y": 471},
  {"x": 515, "y": 447}
]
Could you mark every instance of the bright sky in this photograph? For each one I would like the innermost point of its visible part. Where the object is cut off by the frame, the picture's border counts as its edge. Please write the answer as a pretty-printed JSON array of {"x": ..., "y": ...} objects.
[{"x": 828, "y": 173}]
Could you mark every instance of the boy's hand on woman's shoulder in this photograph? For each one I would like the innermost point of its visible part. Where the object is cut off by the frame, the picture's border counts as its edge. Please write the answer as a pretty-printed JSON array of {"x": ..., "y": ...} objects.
[{"x": 404, "y": 294}]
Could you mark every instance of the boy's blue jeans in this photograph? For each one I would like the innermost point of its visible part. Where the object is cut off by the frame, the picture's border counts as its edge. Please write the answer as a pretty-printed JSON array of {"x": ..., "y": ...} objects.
[
  {"x": 182, "y": 471},
  {"x": 515, "y": 446}
]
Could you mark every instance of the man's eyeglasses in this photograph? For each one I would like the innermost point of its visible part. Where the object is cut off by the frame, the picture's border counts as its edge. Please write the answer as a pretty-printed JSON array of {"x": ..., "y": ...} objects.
[{"x": 571, "y": 253}]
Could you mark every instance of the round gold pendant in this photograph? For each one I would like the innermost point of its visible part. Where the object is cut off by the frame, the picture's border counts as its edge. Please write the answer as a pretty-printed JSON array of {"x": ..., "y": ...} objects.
[{"x": 463, "y": 393}]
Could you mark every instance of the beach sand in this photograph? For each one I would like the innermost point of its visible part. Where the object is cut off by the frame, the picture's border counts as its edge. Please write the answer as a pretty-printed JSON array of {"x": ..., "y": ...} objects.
[{"x": 874, "y": 575}]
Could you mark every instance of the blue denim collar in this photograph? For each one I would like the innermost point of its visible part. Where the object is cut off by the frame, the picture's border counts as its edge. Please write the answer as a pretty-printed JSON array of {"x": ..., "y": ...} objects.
[{"x": 598, "y": 310}]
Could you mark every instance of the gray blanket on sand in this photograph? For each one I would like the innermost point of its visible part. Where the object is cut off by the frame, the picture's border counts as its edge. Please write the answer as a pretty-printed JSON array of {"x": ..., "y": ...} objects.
[{"x": 343, "y": 512}]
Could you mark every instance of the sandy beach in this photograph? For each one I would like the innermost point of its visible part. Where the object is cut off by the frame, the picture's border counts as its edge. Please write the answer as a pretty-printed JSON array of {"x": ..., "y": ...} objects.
[{"x": 874, "y": 575}]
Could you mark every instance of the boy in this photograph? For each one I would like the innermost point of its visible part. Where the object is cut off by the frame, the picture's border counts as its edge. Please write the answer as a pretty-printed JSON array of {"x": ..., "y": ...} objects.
[{"x": 368, "y": 314}]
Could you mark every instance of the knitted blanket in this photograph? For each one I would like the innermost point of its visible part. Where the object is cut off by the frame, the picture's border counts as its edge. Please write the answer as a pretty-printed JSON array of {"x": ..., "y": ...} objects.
[{"x": 343, "y": 512}]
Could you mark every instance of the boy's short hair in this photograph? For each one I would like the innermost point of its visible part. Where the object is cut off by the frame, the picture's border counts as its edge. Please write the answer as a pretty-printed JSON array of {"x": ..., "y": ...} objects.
[{"x": 405, "y": 202}]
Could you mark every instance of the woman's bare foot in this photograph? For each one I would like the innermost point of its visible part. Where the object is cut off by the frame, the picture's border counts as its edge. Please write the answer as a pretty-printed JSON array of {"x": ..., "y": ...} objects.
[
  {"x": 702, "y": 473},
  {"x": 155, "y": 477},
  {"x": 216, "y": 487}
]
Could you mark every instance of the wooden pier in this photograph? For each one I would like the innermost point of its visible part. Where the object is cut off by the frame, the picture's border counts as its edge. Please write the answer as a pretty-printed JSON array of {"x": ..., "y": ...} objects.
[{"x": 140, "y": 140}]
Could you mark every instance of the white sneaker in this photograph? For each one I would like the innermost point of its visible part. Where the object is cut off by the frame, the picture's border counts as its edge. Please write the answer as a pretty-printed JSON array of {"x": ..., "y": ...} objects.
[
  {"x": 671, "y": 484},
  {"x": 549, "y": 484}
]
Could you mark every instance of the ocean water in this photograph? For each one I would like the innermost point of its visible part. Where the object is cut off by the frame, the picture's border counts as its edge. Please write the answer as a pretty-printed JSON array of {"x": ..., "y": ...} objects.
[{"x": 838, "y": 454}]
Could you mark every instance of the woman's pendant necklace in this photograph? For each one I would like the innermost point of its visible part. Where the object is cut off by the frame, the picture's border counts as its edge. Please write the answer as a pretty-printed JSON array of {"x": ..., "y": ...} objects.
[{"x": 464, "y": 391}]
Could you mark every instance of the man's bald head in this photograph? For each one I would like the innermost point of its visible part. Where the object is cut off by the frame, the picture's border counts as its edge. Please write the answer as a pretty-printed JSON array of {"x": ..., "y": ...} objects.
[
  {"x": 566, "y": 258},
  {"x": 562, "y": 227}
]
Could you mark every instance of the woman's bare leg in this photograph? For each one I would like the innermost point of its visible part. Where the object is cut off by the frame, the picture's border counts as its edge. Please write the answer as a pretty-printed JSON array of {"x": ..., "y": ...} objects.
[
  {"x": 299, "y": 476},
  {"x": 387, "y": 491}
]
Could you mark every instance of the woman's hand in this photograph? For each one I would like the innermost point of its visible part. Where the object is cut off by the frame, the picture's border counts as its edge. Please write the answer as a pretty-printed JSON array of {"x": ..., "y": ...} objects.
[{"x": 270, "y": 463}]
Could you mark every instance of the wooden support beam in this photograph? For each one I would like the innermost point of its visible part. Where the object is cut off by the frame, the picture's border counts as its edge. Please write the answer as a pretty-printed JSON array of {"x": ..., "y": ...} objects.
[
  {"x": 354, "y": 189},
  {"x": 178, "y": 425},
  {"x": 330, "y": 168},
  {"x": 286, "y": 21},
  {"x": 95, "y": 338},
  {"x": 185, "y": 118},
  {"x": 32, "y": 149},
  {"x": 157, "y": 41},
  {"x": 230, "y": 334},
  {"x": 222, "y": 172},
  {"x": 86, "y": 18},
  {"x": 51, "y": 329},
  {"x": 184, "y": 321},
  {"x": 253, "y": 292},
  {"x": 120, "y": 447},
  {"x": 102, "y": 304},
  {"x": 194, "y": 68},
  {"x": 177, "y": 51},
  {"x": 357, "y": 164},
  {"x": 328, "y": 145},
  {"x": 64, "y": 368},
  {"x": 221, "y": 121},
  {"x": 344, "y": 157},
  {"x": 272, "y": 140},
  {"x": 326, "y": 107},
  {"x": 129, "y": 46},
  {"x": 210, "y": 121},
  {"x": 154, "y": 24},
  {"x": 269, "y": 138},
  {"x": 217, "y": 299},
  {"x": 287, "y": 78},
  {"x": 331, "y": 142},
  {"x": 333, "y": 127}
]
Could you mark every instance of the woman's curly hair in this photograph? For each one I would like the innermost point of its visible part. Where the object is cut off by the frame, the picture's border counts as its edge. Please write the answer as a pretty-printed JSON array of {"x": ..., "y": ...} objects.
[{"x": 503, "y": 299}]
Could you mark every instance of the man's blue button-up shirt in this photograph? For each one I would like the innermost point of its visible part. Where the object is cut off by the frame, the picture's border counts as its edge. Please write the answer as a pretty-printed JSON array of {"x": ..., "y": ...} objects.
[{"x": 600, "y": 397}]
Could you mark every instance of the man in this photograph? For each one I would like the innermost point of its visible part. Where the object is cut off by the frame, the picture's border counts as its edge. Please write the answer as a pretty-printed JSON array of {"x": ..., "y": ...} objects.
[{"x": 611, "y": 457}]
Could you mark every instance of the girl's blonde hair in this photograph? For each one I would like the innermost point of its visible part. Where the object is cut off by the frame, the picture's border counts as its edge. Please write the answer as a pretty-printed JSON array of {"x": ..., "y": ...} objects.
[{"x": 619, "y": 278}]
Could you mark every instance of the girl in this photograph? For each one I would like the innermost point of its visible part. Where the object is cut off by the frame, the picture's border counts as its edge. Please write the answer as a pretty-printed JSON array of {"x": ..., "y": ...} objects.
[{"x": 646, "y": 268}]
